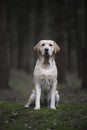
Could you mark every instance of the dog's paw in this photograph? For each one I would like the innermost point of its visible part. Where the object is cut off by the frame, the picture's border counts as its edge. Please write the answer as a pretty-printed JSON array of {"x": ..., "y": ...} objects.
[
  {"x": 52, "y": 107},
  {"x": 37, "y": 108},
  {"x": 26, "y": 106}
]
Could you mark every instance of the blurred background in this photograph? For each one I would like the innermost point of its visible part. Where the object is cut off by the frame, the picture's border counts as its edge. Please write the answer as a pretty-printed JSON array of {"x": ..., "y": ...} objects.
[{"x": 24, "y": 22}]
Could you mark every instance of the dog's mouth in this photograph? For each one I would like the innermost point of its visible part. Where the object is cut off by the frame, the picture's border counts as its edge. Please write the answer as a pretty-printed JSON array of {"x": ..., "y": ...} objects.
[{"x": 46, "y": 54}]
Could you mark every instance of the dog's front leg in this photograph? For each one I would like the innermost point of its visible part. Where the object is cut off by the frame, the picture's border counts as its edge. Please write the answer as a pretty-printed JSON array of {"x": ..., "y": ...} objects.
[
  {"x": 38, "y": 94},
  {"x": 53, "y": 90}
]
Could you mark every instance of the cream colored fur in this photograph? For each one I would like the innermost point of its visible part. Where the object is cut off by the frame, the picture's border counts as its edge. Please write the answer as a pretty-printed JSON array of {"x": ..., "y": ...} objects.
[{"x": 45, "y": 75}]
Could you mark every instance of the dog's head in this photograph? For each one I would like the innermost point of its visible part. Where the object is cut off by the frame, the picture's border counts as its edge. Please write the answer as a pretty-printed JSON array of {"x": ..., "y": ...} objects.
[{"x": 46, "y": 47}]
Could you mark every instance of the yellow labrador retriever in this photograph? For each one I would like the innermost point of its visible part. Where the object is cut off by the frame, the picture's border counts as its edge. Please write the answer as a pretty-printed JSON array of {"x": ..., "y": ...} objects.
[{"x": 45, "y": 75}]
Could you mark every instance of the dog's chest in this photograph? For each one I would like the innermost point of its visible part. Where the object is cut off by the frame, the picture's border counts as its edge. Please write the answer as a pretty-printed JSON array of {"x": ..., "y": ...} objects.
[
  {"x": 42, "y": 71},
  {"x": 46, "y": 71}
]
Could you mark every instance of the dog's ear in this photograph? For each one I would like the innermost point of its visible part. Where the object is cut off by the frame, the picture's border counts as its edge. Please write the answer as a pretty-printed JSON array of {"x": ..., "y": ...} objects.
[
  {"x": 37, "y": 47},
  {"x": 56, "y": 48}
]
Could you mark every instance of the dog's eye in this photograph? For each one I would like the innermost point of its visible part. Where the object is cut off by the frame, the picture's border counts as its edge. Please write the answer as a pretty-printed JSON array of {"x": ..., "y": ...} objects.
[
  {"x": 50, "y": 44},
  {"x": 43, "y": 44}
]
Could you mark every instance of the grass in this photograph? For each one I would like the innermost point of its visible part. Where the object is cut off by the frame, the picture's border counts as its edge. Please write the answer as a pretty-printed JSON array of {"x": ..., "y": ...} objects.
[
  {"x": 71, "y": 114},
  {"x": 67, "y": 117}
]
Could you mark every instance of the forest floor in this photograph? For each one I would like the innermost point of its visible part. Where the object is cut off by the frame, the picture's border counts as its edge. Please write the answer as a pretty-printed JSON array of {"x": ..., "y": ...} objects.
[{"x": 71, "y": 114}]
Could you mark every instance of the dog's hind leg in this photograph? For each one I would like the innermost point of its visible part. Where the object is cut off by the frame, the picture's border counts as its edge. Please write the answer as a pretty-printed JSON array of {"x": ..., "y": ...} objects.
[
  {"x": 31, "y": 99},
  {"x": 56, "y": 98}
]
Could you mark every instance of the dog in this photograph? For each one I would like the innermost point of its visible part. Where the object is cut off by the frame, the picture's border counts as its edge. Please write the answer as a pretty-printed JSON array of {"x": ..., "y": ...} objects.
[{"x": 45, "y": 75}]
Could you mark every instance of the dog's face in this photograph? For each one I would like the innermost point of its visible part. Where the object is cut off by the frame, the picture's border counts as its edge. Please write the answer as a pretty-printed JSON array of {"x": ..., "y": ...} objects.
[{"x": 46, "y": 47}]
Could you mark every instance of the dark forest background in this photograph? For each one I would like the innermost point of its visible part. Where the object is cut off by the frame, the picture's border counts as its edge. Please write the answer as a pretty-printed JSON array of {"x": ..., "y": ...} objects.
[{"x": 24, "y": 22}]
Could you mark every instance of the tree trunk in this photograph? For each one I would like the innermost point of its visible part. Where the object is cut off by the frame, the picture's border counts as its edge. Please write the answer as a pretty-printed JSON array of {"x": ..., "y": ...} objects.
[
  {"x": 4, "y": 68},
  {"x": 31, "y": 36},
  {"x": 84, "y": 57},
  {"x": 80, "y": 34},
  {"x": 13, "y": 33},
  {"x": 84, "y": 68}
]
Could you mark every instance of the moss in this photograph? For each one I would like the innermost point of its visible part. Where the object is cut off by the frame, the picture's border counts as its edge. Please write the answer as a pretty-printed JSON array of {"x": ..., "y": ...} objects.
[{"x": 66, "y": 117}]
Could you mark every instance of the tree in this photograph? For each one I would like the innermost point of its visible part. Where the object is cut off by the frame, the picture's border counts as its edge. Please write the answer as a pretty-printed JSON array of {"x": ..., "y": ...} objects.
[
  {"x": 84, "y": 56},
  {"x": 4, "y": 65}
]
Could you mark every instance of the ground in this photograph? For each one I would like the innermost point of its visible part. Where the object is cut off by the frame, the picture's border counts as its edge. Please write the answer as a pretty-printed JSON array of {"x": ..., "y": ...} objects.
[{"x": 70, "y": 115}]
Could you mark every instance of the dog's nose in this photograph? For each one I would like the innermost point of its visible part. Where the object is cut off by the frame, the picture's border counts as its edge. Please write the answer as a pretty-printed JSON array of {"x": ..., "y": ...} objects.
[{"x": 46, "y": 50}]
